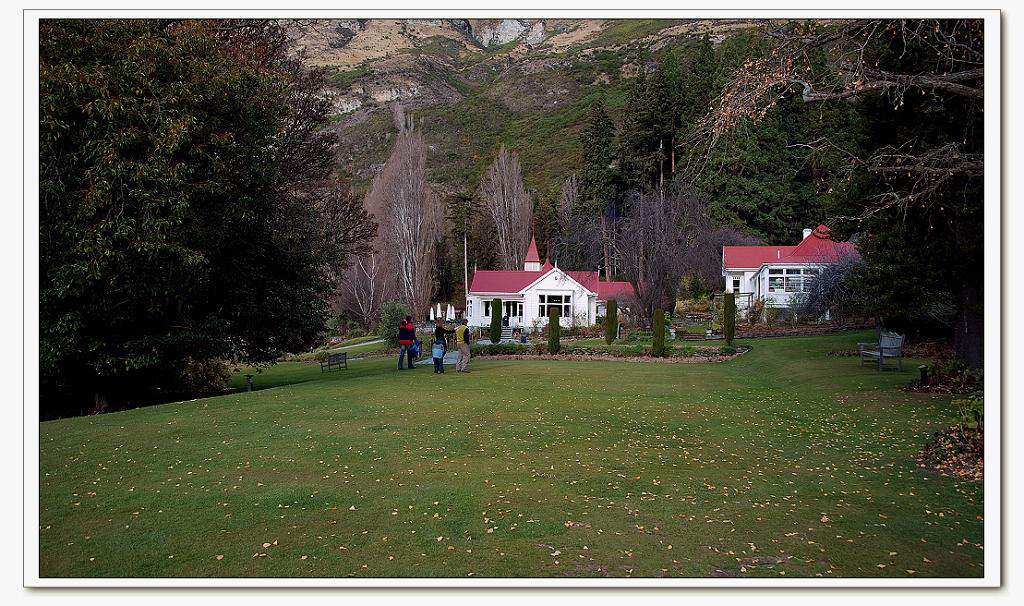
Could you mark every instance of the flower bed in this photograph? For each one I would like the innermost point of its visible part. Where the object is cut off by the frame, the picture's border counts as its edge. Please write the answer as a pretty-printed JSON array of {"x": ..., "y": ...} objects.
[{"x": 538, "y": 351}]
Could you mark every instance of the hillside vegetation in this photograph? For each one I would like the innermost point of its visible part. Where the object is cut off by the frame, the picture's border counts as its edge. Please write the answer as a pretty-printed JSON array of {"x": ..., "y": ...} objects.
[{"x": 509, "y": 84}]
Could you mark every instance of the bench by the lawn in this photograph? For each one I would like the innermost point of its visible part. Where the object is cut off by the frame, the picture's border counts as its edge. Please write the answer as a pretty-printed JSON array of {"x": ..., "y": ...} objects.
[
  {"x": 889, "y": 345},
  {"x": 335, "y": 360}
]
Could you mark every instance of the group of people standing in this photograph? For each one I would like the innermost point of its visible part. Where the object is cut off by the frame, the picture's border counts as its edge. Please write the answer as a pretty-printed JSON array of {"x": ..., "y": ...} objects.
[{"x": 407, "y": 339}]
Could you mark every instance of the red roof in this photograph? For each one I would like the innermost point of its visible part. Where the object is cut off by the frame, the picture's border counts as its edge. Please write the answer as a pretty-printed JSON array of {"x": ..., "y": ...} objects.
[
  {"x": 510, "y": 282},
  {"x": 815, "y": 248},
  {"x": 506, "y": 282},
  {"x": 609, "y": 290}
]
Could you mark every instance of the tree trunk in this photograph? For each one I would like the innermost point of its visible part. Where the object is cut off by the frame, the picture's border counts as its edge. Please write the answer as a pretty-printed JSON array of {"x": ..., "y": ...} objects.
[
  {"x": 969, "y": 337},
  {"x": 101, "y": 402}
]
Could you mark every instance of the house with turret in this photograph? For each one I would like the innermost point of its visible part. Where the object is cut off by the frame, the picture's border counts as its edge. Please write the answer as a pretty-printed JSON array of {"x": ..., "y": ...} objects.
[{"x": 527, "y": 295}]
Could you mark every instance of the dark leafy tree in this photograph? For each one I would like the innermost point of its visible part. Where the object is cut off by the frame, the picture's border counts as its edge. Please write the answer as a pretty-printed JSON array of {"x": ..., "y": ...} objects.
[
  {"x": 186, "y": 206},
  {"x": 914, "y": 187}
]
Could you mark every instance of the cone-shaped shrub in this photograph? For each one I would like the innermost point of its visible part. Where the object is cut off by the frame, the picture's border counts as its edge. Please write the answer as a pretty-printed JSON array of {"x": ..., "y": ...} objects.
[
  {"x": 729, "y": 317},
  {"x": 495, "y": 320},
  {"x": 658, "y": 342},
  {"x": 554, "y": 330},
  {"x": 611, "y": 321}
]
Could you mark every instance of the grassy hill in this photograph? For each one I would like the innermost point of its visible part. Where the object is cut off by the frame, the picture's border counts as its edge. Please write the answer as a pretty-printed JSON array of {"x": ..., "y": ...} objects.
[{"x": 782, "y": 463}]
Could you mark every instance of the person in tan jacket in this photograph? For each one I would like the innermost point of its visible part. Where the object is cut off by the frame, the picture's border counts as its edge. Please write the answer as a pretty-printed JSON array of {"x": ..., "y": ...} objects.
[{"x": 462, "y": 339}]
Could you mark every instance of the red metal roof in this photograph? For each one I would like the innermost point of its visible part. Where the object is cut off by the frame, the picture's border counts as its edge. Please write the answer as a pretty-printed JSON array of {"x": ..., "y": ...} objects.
[
  {"x": 511, "y": 282},
  {"x": 815, "y": 248},
  {"x": 504, "y": 282}
]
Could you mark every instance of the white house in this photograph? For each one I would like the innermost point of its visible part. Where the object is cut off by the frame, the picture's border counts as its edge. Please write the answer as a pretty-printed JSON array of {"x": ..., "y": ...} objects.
[
  {"x": 527, "y": 295},
  {"x": 779, "y": 274}
]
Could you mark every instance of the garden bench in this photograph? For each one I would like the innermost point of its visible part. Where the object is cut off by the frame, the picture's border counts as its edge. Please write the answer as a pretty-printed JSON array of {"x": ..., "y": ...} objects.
[
  {"x": 339, "y": 360},
  {"x": 889, "y": 345}
]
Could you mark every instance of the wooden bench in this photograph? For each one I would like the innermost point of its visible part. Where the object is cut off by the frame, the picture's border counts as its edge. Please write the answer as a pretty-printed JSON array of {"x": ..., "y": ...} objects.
[
  {"x": 339, "y": 360},
  {"x": 889, "y": 345}
]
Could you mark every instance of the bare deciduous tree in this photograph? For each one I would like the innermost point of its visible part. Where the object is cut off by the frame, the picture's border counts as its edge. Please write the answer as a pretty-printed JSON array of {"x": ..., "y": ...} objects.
[
  {"x": 651, "y": 245},
  {"x": 505, "y": 198},
  {"x": 703, "y": 241},
  {"x": 364, "y": 288},
  {"x": 409, "y": 216},
  {"x": 567, "y": 201}
]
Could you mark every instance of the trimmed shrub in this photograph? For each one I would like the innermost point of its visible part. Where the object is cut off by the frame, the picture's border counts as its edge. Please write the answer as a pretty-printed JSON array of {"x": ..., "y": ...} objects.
[
  {"x": 391, "y": 315},
  {"x": 611, "y": 321},
  {"x": 658, "y": 340},
  {"x": 495, "y": 320},
  {"x": 729, "y": 317},
  {"x": 496, "y": 349},
  {"x": 554, "y": 330}
]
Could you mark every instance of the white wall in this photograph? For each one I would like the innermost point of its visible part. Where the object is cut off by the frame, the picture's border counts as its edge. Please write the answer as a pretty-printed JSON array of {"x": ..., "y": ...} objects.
[{"x": 584, "y": 304}]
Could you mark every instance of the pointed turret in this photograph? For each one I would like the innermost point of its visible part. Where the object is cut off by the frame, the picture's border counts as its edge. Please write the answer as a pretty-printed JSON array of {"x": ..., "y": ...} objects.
[{"x": 532, "y": 262}]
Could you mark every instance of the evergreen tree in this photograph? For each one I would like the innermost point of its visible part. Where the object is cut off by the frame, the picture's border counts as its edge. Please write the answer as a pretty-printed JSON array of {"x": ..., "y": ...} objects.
[
  {"x": 699, "y": 84},
  {"x": 666, "y": 98},
  {"x": 596, "y": 177},
  {"x": 658, "y": 339},
  {"x": 748, "y": 181},
  {"x": 639, "y": 153},
  {"x": 496, "y": 315},
  {"x": 554, "y": 330},
  {"x": 611, "y": 321}
]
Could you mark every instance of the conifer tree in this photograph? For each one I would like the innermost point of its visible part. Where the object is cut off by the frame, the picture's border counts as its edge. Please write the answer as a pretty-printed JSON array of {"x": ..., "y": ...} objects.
[
  {"x": 666, "y": 97},
  {"x": 554, "y": 330},
  {"x": 611, "y": 321},
  {"x": 596, "y": 177},
  {"x": 639, "y": 154},
  {"x": 699, "y": 84}
]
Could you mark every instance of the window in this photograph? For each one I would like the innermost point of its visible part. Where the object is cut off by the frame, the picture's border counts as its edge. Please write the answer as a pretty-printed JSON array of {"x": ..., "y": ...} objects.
[
  {"x": 562, "y": 301},
  {"x": 487, "y": 309},
  {"x": 736, "y": 285},
  {"x": 793, "y": 281},
  {"x": 469, "y": 308}
]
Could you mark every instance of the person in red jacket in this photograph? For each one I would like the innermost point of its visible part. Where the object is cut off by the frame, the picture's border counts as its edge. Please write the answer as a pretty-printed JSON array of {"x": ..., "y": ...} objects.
[{"x": 406, "y": 338}]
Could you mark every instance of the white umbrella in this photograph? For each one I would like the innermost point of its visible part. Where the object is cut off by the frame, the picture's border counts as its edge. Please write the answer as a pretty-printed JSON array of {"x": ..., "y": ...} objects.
[
  {"x": 450, "y": 316},
  {"x": 439, "y": 313},
  {"x": 431, "y": 314}
]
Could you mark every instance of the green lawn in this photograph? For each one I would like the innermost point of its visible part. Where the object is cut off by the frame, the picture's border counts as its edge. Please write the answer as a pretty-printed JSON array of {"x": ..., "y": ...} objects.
[{"x": 520, "y": 468}]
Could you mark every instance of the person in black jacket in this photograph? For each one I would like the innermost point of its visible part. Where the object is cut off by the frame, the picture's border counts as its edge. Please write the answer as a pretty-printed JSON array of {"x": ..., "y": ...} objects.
[
  {"x": 407, "y": 339},
  {"x": 440, "y": 338}
]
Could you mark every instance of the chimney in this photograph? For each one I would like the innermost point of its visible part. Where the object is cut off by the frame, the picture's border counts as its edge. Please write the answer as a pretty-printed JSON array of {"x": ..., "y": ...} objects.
[{"x": 807, "y": 232}]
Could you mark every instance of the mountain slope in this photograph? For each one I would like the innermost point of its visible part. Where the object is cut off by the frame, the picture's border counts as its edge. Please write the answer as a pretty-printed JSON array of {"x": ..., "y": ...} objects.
[{"x": 473, "y": 84}]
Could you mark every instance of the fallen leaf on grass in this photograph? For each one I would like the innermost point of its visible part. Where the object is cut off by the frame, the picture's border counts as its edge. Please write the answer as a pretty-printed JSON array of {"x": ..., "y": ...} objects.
[{"x": 219, "y": 556}]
